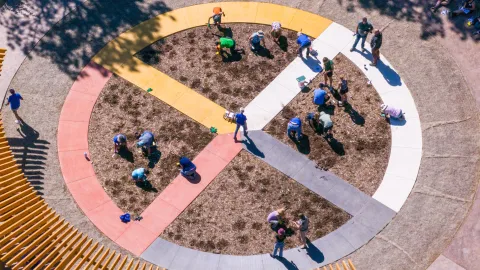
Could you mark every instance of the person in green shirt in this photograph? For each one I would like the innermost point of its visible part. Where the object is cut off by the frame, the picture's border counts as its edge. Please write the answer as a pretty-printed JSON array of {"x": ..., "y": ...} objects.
[
  {"x": 328, "y": 71},
  {"x": 228, "y": 43},
  {"x": 363, "y": 28}
]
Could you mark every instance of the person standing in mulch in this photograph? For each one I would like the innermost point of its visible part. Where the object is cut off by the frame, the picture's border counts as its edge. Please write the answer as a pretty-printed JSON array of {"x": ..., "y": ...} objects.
[
  {"x": 279, "y": 243},
  {"x": 376, "y": 43},
  {"x": 14, "y": 102},
  {"x": 241, "y": 121},
  {"x": 328, "y": 71},
  {"x": 276, "y": 31},
  {"x": 363, "y": 28},
  {"x": 304, "y": 43},
  {"x": 343, "y": 90},
  {"x": 302, "y": 226},
  {"x": 217, "y": 17}
]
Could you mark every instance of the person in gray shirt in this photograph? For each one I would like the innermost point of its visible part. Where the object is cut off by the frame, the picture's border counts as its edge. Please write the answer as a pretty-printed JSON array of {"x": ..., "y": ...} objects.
[{"x": 302, "y": 226}]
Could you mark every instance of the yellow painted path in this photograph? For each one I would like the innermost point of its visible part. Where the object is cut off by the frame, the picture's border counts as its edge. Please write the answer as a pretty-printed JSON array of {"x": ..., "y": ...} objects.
[{"x": 117, "y": 55}]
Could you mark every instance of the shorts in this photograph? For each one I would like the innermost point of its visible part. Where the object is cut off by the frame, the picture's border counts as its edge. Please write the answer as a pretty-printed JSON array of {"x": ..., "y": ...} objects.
[
  {"x": 329, "y": 73},
  {"x": 307, "y": 45},
  {"x": 217, "y": 18},
  {"x": 343, "y": 91}
]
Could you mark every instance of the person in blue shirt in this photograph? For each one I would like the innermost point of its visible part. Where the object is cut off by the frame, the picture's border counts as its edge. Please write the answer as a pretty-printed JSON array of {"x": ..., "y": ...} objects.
[
  {"x": 304, "y": 42},
  {"x": 188, "y": 169},
  {"x": 241, "y": 120},
  {"x": 257, "y": 41},
  {"x": 320, "y": 97},
  {"x": 14, "y": 102},
  {"x": 120, "y": 141},
  {"x": 140, "y": 175},
  {"x": 295, "y": 125},
  {"x": 146, "y": 141}
]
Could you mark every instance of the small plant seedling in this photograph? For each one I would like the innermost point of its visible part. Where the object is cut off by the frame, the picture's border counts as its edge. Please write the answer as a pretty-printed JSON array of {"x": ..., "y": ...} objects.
[
  {"x": 213, "y": 130},
  {"x": 149, "y": 90}
]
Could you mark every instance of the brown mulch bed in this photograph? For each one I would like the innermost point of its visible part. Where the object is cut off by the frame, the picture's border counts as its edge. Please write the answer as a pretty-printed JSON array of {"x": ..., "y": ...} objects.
[
  {"x": 189, "y": 57},
  {"x": 124, "y": 108},
  {"x": 359, "y": 154},
  {"x": 230, "y": 215}
]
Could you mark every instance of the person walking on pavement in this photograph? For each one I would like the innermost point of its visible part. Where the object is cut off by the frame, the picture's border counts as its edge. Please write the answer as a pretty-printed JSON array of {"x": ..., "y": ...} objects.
[
  {"x": 376, "y": 43},
  {"x": 302, "y": 225},
  {"x": 14, "y": 102},
  {"x": 303, "y": 42},
  {"x": 363, "y": 28},
  {"x": 295, "y": 125},
  {"x": 241, "y": 120},
  {"x": 279, "y": 244}
]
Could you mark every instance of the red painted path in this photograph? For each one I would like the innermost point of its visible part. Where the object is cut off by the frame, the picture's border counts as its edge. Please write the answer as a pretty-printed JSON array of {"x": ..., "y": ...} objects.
[{"x": 90, "y": 196}]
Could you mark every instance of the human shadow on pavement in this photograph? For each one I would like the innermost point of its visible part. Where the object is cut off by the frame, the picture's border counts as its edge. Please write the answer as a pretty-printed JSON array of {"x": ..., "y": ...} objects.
[
  {"x": 289, "y": 265},
  {"x": 312, "y": 62},
  {"x": 30, "y": 153},
  {"x": 390, "y": 75},
  {"x": 314, "y": 253},
  {"x": 396, "y": 121},
  {"x": 252, "y": 147}
]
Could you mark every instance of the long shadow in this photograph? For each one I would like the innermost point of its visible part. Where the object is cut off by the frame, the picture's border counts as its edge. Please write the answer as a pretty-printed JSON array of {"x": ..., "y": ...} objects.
[
  {"x": 356, "y": 117},
  {"x": 314, "y": 253},
  {"x": 252, "y": 147},
  {"x": 85, "y": 28},
  {"x": 313, "y": 63},
  {"x": 289, "y": 265},
  {"x": 283, "y": 43},
  {"x": 303, "y": 145},
  {"x": 390, "y": 75},
  {"x": 30, "y": 153}
]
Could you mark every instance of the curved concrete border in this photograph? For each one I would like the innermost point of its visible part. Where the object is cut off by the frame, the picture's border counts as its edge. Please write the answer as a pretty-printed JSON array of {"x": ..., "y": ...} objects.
[{"x": 329, "y": 45}]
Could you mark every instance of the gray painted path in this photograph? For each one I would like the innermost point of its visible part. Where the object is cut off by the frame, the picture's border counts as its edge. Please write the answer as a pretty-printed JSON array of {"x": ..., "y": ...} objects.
[{"x": 369, "y": 218}]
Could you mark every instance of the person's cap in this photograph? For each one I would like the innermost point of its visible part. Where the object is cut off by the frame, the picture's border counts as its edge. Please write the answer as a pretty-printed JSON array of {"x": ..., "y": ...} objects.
[
  {"x": 122, "y": 139},
  {"x": 242, "y": 109},
  {"x": 281, "y": 231},
  {"x": 299, "y": 34},
  {"x": 260, "y": 32},
  {"x": 325, "y": 59},
  {"x": 383, "y": 107},
  {"x": 322, "y": 113}
]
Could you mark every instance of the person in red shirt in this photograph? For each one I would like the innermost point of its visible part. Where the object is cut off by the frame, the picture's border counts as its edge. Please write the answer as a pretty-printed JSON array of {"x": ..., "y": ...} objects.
[{"x": 217, "y": 17}]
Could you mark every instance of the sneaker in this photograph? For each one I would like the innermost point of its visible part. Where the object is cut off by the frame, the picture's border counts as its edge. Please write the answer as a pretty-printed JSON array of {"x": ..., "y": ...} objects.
[
  {"x": 17, "y": 122},
  {"x": 352, "y": 49},
  {"x": 372, "y": 65},
  {"x": 364, "y": 50}
]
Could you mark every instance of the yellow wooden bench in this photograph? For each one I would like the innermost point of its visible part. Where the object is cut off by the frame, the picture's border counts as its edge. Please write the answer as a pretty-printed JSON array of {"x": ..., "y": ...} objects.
[
  {"x": 344, "y": 265},
  {"x": 33, "y": 236},
  {"x": 2, "y": 55}
]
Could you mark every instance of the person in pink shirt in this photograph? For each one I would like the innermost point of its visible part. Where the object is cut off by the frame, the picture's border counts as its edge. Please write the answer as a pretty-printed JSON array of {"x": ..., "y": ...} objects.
[{"x": 391, "y": 112}]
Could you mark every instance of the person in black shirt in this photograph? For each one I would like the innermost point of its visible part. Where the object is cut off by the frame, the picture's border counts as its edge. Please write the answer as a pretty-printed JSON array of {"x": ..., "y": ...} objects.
[
  {"x": 376, "y": 43},
  {"x": 279, "y": 243}
]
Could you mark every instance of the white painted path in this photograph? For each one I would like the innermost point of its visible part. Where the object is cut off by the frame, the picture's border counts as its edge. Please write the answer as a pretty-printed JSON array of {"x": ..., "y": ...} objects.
[{"x": 406, "y": 152}]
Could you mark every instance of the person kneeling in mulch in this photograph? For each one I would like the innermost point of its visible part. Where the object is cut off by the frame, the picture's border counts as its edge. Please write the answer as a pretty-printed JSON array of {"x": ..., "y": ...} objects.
[
  {"x": 188, "y": 169},
  {"x": 320, "y": 97},
  {"x": 120, "y": 142},
  {"x": 295, "y": 125},
  {"x": 257, "y": 41},
  {"x": 140, "y": 175}
]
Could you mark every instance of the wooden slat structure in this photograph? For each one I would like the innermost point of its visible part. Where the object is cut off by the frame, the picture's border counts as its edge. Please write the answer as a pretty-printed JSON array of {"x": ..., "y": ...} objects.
[
  {"x": 33, "y": 236},
  {"x": 2, "y": 57},
  {"x": 343, "y": 265}
]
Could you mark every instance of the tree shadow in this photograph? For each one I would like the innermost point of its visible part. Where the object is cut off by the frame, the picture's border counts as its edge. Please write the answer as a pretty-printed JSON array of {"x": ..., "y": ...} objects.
[
  {"x": 30, "y": 153},
  {"x": 84, "y": 28},
  {"x": 432, "y": 25}
]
